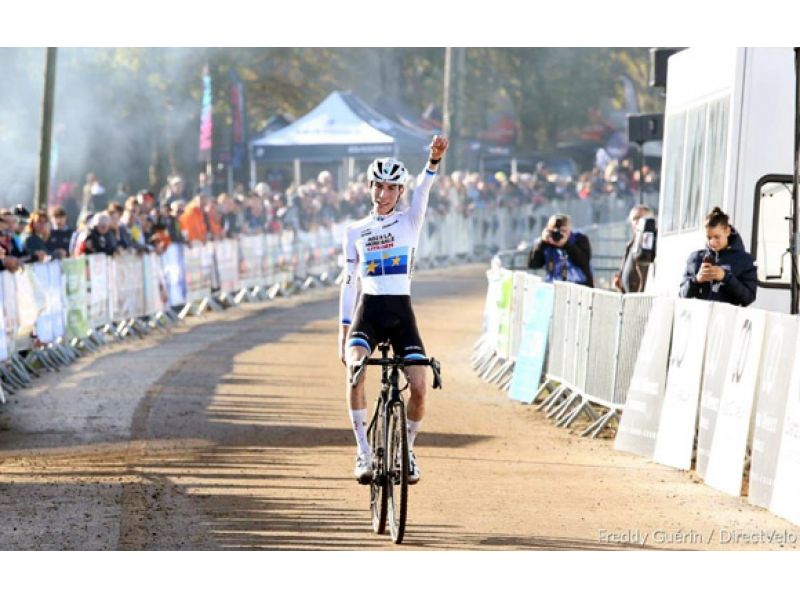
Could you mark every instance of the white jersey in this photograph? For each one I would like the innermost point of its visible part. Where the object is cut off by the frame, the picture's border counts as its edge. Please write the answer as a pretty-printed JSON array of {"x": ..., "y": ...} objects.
[{"x": 379, "y": 250}]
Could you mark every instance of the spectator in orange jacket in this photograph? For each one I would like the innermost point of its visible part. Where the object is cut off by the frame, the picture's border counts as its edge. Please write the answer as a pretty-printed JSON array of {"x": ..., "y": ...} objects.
[{"x": 193, "y": 221}]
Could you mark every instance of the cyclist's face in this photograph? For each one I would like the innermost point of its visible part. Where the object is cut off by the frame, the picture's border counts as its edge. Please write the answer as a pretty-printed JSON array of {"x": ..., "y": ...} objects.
[{"x": 385, "y": 196}]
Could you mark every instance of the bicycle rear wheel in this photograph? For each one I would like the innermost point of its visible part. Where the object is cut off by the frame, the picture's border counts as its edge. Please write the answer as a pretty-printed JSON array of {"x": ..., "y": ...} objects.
[
  {"x": 377, "y": 488},
  {"x": 397, "y": 471}
]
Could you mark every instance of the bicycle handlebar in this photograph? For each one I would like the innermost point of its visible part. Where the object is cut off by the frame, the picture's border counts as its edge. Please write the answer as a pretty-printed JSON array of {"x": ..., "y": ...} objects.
[{"x": 358, "y": 368}]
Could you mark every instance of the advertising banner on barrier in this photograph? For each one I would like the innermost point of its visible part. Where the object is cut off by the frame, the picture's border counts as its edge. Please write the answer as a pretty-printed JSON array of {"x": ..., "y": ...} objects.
[
  {"x": 517, "y": 310},
  {"x": 729, "y": 444},
  {"x": 533, "y": 347},
  {"x": 154, "y": 285},
  {"x": 4, "y": 337},
  {"x": 252, "y": 255},
  {"x": 208, "y": 259},
  {"x": 639, "y": 422},
  {"x": 786, "y": 484},
  {"x": 174, "y": 276},
  {"x": 780, "y": 340},
  {"x": 198, "y": 277},
  {"x": 226, "y": 254},
  {"x": 31, "y": 302},
  {"x": 491, "y": 317},
  {"x": 99, "y": 290},
  {"x": 45, "y": 324},
  {"x": 74, "y": 270},
  {"x": 676, "y": 427},
  {"x": 127, "y": 287},
  {"x": 10, "y": 310},
  {"x": 504, "y": 301},
  {"x": 719, "y": 341},
  {"x": 55, "y": 307}
]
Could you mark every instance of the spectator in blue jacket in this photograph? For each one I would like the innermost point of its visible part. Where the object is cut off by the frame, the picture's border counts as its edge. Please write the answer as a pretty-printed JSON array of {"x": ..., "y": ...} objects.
[{"x": 722, "y": 271}]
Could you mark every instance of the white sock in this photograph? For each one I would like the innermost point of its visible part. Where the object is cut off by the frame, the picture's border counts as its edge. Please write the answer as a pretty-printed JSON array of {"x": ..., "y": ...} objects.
[
  {"x": 412, "y": 427},
  {"x": 359, "y": 420}
]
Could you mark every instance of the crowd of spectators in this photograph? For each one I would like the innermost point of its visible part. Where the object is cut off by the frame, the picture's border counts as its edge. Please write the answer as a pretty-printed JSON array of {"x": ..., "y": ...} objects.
[{"x": 90, "y": 220}]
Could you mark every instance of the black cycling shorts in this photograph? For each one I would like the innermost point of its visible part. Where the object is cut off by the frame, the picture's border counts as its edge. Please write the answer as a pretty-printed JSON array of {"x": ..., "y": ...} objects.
[{"x": 386, "y": 319}]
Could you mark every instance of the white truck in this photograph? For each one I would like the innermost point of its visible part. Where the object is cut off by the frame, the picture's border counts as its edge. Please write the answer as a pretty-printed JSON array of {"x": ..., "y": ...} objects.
[{"x": 728, "y": 142}]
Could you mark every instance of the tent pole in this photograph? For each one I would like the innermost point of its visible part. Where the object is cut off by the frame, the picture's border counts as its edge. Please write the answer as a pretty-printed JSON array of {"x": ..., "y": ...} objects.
[
  {"x": 252, "y": 174},
  {"x": 297, "y": 175}
]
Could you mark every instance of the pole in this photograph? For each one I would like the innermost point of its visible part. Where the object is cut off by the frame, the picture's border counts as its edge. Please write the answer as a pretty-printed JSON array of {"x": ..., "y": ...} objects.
[
  {"x": 795, "y": 296},
  {"x": 46, "y": 139},
  {"x": 446, "y": 102}
]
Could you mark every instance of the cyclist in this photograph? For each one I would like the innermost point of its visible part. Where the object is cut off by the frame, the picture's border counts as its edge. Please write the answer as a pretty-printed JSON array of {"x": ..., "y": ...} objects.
[{"x": 379, "y": 250}]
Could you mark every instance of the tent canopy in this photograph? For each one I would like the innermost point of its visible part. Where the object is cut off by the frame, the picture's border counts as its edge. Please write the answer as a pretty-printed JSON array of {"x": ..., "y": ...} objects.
[{"x": 341, "y": 126}]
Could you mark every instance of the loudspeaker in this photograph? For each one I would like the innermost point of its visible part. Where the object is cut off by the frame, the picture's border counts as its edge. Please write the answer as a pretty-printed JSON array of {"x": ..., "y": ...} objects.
[
  {"x": 658, "y": 65},
  {"x": 645, "y": 127}
]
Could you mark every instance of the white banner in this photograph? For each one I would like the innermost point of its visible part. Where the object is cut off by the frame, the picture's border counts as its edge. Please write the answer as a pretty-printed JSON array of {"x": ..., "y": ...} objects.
[
  {"x": 676, "y": 427},
  {"x": 226, "y": 254},
  {"x": 31, "y": 301},
  {"x": 726, "y": 459},
  {"x": 785, "y": 500},
  {"x": 780, "y": 340},
  {"x": 100, "y": 301},
  {"x": 721, "y": 332},
  {"x": 639, "y": 422}
]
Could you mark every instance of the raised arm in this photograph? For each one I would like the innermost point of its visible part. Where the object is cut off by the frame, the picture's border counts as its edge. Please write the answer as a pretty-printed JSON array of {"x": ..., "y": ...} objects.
[{"x": 419, "y": 200}]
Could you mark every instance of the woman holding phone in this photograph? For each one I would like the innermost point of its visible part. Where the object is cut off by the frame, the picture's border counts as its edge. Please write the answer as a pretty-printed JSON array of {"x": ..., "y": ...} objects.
[{"x": 722, "y": 271}]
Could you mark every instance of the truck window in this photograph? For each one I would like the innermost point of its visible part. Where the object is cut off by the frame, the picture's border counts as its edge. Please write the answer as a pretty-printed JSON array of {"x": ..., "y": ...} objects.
[
  {"x": 696, "y": 151},
  {"x": 773, "y": 230}
]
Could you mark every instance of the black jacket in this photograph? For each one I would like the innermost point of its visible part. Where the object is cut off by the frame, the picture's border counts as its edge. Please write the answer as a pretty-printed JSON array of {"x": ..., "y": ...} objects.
[
  {"x": 741, "y": 279},
  {"x": 578, "y": 252}
]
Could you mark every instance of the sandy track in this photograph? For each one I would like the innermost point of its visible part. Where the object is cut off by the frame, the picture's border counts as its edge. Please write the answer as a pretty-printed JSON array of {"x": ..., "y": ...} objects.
[{"x": 234, "y": 435}]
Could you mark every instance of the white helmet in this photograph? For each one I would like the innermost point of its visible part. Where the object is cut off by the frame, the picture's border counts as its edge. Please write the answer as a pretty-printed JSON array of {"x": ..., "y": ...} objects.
[{"x": 387, "y": 170}]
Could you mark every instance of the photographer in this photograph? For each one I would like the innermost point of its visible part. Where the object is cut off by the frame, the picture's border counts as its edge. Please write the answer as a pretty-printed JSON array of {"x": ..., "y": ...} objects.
[
  {"x": 722, "y": 271},
  {"x": 564, "y": 254},
  {"x": 639, "y": 252}
]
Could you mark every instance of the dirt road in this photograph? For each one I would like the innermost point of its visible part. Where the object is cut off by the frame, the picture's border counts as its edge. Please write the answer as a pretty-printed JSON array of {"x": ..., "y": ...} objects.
[{"x": 233, "y": 434}]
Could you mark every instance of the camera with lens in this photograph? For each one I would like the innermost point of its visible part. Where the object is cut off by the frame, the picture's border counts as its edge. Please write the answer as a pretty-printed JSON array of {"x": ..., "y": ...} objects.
[{"x": 555, "y": 232}]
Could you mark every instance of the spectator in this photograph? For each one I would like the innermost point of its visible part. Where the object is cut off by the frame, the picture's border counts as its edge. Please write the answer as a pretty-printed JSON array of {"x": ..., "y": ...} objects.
[
  {"x": 229, "y": 216},
  {"x": 255, "y": 219},
  {"x": 159, "y": 239},
  {"x": 564, "y": 254},
  {"x": 722, "y": 271},
  {"x": 10, "y": 256},
  {"x": 204, "y": 186},
  {"x": 193, "y": 222},
  {"x": 20, "y": 229},
  {"x": 174, "y": 190},
  {"x": 100, "y": 239},
  {"x": 632, "y": 273},
  {"x": 38, "y": 235},
  {"x": 122, "y": 235},
  {"x": 60, "y": 234},
  {"x": 172, "y": 220}
]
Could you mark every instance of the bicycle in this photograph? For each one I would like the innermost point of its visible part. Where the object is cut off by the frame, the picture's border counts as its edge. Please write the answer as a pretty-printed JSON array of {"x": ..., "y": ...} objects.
[{"x": 388, "y": 491}]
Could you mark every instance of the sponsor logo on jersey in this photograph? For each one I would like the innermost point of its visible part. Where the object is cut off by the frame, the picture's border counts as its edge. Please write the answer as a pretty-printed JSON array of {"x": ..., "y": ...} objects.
[
  {"x": 395, "y": 222},
  {"x": 379, "y": 242}
]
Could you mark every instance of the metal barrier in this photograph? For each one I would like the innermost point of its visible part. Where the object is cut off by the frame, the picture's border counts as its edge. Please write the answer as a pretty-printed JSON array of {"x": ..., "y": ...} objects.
[{"x": 593, "y": 341}]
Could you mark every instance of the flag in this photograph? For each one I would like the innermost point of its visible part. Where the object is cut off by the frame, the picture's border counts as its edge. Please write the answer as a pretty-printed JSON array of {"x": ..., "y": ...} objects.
[
  {"x": 206, "y": 120},
  {"x": 238, "y": 150}
]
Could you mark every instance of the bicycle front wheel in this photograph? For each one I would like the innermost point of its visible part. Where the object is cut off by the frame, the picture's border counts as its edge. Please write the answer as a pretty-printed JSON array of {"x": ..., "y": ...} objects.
[
  {"x": 397, "y": 471},
  {"x": 377, "y": 488}
]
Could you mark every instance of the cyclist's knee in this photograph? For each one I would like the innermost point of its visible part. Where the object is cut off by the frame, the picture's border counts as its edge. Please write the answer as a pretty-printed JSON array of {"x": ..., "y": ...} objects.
[
  {"x": 354, "y": 354},
  {"x": 417, "y": 383}
]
